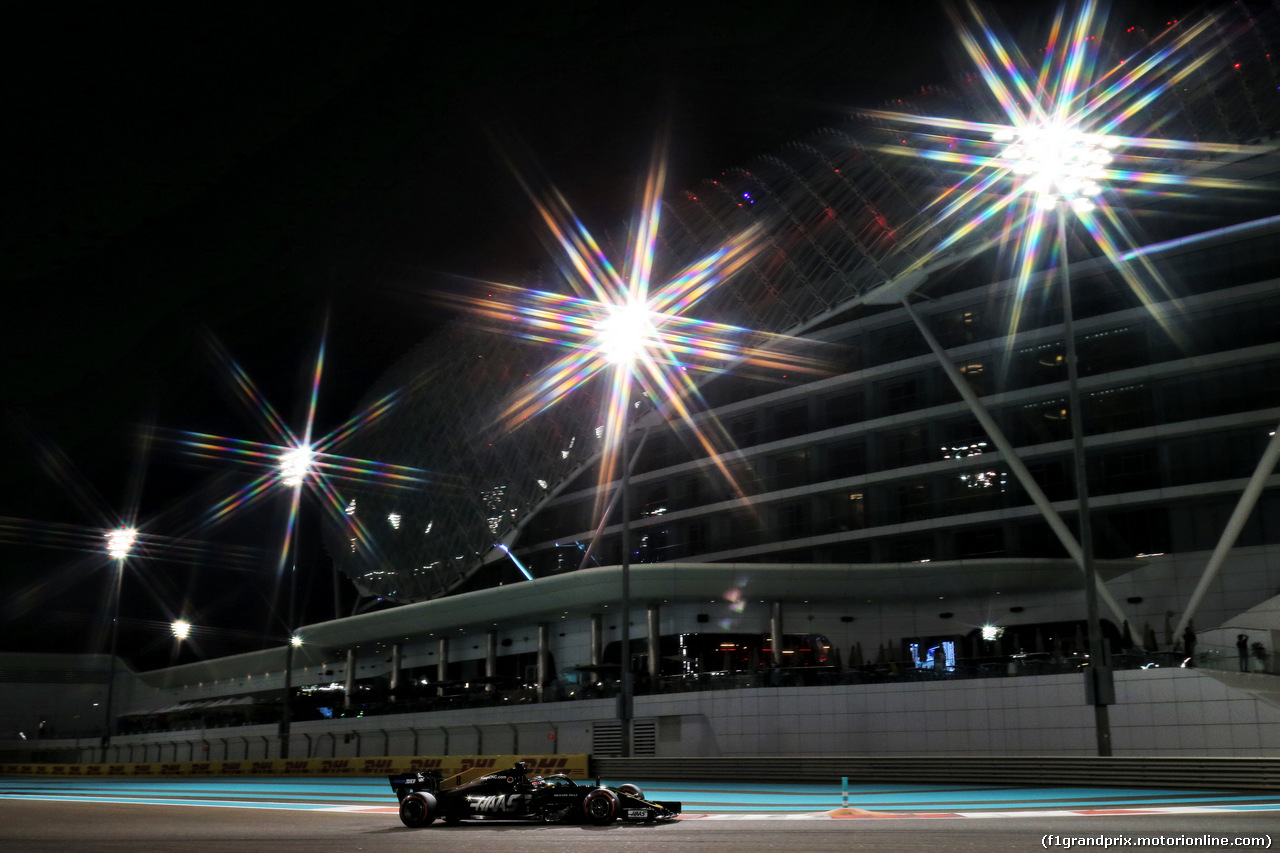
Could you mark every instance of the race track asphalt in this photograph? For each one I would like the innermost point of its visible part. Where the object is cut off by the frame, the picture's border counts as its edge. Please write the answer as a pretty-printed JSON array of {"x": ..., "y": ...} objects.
[{"x": 331, "y": 815}]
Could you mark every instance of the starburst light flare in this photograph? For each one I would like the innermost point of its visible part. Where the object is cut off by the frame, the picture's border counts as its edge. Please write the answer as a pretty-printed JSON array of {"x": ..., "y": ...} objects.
[
  {"x": 296, "y": 461},
  {"x": 1075, "y": 134},
  {"x": 623, "y": 327}
]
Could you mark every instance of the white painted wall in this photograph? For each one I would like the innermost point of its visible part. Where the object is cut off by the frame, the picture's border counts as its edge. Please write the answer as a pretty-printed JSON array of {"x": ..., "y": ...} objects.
[{"x": 1159, "y": 712}]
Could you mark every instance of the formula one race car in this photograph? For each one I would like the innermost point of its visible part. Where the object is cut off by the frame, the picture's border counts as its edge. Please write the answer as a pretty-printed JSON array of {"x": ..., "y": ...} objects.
[{"x": 514, "y": 795}]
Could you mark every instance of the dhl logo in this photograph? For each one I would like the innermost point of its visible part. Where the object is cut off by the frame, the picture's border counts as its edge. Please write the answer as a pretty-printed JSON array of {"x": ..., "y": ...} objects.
[
  {"x": 541, "y": 764},
  {"x": 142, "y": 770},
  {"x": 472, "y": 763},
  {"x": 170, "y": 769},
  {"x": 426, "y": 764},
  {"x": 299, "y": 765},
  {"x": 378, "y": 764}
]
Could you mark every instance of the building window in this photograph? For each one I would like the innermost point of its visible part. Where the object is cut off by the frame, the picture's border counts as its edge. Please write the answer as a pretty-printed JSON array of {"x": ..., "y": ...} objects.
[
  {"x": 910, "y": 549},
  {"x": 1132, "y": 469},
  {"x": 904, "y": 447},
  {"x": 1054, "y": 478},
  {"x": 697, "y": 538},
  {"x": 845, "y": 409},
  {"x": 791, "y": 421},
  {"x": 743, "y": 430},
  {"x": 909, "y": 502},
  {"x": 790, "y": 470},
  {"x": 1038, "y": 423},
  {"x": 1131, "y": 533},
  {"x": 846, "y": 459},
  {"x": 793, "y": 520},
  {"x": 901, "y": 396},
  {"x": 980, "y": 542},
  {"x": 1118, "y": 409},
  {"x": 977, "y": 375}
]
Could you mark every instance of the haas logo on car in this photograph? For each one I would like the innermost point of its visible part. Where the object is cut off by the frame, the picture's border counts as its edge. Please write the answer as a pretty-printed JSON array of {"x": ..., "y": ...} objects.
[{"x": 496, "y": 803}]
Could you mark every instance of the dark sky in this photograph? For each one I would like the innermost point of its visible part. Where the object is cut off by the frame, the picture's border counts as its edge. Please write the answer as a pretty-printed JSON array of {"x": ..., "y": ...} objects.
[{"x": 174, "y": 171}]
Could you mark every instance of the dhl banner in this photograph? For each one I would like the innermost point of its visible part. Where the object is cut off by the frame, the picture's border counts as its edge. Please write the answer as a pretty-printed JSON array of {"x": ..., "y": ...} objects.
[{"x": 448, "y": 765}]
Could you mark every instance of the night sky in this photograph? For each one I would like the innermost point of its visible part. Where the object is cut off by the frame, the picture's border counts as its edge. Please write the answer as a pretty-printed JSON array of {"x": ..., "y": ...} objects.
[{"x": 181, "y": 172}]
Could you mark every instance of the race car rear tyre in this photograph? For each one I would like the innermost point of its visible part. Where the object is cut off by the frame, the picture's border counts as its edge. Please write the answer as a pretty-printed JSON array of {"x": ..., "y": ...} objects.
[
  {"x": 633, "y": 790},
  {"x": 418, "y": 810},
  {"x": 601, "y": 807}
]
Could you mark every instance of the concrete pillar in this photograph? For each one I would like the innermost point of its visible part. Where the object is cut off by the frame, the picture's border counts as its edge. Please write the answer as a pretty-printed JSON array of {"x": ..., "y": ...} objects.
[
  {"x": 597, "y": 643},
  {"x": 491, "y": 661},
  {"x": 395, "y": 670},
  {"x": 544, "y": 657},
  {"x": 442, "y": 664},
  {"x": 775, "y": 632},
  {"x": 351, "y": 678},
  {"x": 655, "y": 646}
]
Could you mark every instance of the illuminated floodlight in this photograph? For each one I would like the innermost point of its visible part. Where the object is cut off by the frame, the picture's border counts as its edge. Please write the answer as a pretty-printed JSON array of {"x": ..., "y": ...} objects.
[
  {"x": 628, "y": 327},
  {"x": 294, "y": 460},
  {"x": 1059, "y": 163},
  {"x": 295, "y": 641},
  {"x": 992, "y": 632},
  {"x": 120, "y": 542},
  {"x": 1073, "y": 134},
  {"x": 180, "y": 628},
  {"x": 295, "y": 465},
  {"x": 625, "y": 333}
]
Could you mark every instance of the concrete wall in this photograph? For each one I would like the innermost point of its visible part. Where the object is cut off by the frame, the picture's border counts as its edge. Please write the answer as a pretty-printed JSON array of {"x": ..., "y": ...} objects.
[{"x": 1159, "y": 712}]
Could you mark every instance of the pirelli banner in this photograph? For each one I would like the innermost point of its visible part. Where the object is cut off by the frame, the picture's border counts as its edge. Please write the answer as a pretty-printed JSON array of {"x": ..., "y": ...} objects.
[{"x": 448, "y": 765}]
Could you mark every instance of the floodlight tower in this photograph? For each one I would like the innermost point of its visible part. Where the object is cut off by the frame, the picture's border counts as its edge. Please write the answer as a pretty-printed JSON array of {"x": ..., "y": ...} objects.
[
  {"x": 294, "y": 468},
  {"x": 120, "y": 542},
  {"x": 1063, "y": 168}
]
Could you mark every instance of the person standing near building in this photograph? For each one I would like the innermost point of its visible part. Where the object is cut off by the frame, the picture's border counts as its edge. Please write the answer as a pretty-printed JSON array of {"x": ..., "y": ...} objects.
[
  {"x": 1242, "y": 651},
  {"x": 1189, "y": 644}
]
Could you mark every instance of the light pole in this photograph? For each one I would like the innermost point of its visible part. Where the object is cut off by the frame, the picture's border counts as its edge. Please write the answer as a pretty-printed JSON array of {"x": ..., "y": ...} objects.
[
  {"x": 120, "y": 542},
  {"x": 1063, "y": 167},
  {"x": 622, "y": 337},
  {"x": 295, "y": 465}
]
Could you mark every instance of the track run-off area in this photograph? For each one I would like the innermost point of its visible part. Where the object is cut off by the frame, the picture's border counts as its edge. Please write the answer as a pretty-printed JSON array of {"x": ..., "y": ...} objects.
[{"x": 338, "y": 815}]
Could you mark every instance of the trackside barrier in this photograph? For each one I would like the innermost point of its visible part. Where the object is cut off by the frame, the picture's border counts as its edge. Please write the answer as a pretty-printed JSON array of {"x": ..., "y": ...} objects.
[
  {"x": 449, "y": 765},
  {"x": 1244, "y": 774}
]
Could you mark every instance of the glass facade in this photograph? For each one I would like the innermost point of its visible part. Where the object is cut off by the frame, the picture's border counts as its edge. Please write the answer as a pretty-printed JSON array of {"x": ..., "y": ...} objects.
[{"x": 876, "y": 458}]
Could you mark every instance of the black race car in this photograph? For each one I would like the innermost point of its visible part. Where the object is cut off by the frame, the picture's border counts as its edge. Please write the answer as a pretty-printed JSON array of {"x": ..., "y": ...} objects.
[{"x": 514, "y": 795}]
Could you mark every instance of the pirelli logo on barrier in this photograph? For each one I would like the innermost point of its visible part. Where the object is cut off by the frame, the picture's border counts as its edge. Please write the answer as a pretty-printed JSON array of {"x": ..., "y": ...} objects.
[{"x": 574, "y": 765}]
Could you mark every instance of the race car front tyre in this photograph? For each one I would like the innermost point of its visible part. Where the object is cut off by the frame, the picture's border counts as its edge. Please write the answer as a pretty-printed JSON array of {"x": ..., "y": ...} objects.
[
  {"x": 633, "y": 790},
  {"x": 418, "y": 810},
  {"x": 601, "y": 806}
]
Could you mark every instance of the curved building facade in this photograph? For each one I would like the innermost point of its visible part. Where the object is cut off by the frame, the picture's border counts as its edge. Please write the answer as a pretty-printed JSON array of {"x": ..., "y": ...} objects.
[{"x": 877, "y": 459}]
